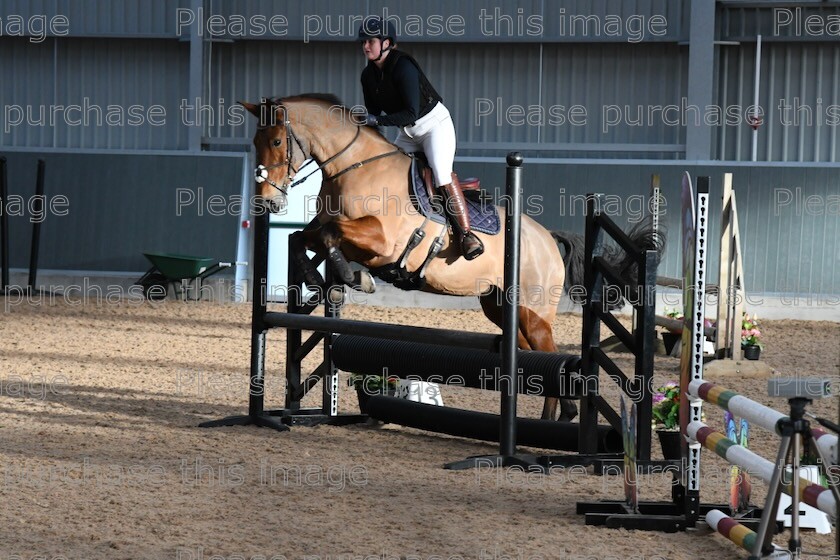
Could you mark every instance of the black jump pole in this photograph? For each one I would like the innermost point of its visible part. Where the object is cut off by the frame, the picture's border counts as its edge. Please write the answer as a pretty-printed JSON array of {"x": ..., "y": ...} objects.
[
  {"x": 4, "y": 227},
  {"x": 36, "y": 225},
  {"x": 510, "y": 307}
]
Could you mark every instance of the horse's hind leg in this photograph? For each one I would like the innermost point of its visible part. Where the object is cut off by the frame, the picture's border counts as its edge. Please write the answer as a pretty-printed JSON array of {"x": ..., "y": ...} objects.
[
  {"x": 540, "y": 337},
  {"x": 534, "y": 334},
  {"x": 491, "y": 304}
]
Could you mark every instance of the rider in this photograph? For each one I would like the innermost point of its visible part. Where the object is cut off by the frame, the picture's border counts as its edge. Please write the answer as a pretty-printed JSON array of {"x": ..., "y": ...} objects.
[{"x": 394, "y": 84}]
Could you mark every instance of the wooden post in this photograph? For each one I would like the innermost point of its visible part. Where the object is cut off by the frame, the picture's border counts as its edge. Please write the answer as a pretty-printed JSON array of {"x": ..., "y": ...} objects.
[{"x": 731, "y": 278}]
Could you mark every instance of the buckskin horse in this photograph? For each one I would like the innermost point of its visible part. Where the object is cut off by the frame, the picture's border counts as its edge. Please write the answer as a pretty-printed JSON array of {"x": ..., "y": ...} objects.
[{"x": 366, "y": 215}]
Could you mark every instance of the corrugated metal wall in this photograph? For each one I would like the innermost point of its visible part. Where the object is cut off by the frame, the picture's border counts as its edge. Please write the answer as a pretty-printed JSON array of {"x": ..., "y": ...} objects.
[
  {"x": 619, "y": 85},
  {"x": 471, "y": 20},
  {"x": 73, "y": 93},
  {"x": 789, "y": 216},
  {"x": 799, "y": 91},
  {"x": 102, "y": 18},
  {"x": 32, "y": 67},
  {"x": 120, "y": 205},
  {"x": 623, "y": 81},
  {"x": 786, "y": 21},
  {"x": 483, "y": 84}
]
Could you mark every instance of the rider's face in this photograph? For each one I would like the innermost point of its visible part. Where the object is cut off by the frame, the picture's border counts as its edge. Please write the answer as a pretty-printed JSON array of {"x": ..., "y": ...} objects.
[{"x": 372, "y": 48}]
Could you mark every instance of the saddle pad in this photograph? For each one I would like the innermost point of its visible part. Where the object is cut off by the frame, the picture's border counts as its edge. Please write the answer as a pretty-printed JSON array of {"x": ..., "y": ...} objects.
[{"x": 483, "y": 217}]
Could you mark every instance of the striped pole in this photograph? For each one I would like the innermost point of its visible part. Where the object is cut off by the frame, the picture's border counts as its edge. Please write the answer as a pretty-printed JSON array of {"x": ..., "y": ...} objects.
[
  {"x": 737, "y": 533},
  {"x": 809, "y": 493},
  {"x": 754, "y": 412}
]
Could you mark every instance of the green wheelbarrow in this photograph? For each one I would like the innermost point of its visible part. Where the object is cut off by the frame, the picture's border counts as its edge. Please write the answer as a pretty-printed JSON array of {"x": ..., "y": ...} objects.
[{"x": 180, "y": 271}]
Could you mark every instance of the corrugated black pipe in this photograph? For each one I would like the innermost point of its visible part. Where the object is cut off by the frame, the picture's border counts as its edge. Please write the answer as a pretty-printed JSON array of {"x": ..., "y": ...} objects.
[
  {"x": 545, "y": 434},
  {"x": 542, "y": 373}
]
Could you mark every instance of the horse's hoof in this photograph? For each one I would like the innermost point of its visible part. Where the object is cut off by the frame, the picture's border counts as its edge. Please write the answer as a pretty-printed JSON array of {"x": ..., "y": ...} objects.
[
  {"x": 335, "y": 295},
  {"x": 364, "y": 282},
  {"x": 568, "y": 412}
]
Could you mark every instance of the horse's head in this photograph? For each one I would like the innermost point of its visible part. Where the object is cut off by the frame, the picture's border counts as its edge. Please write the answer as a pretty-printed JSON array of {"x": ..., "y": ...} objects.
[
  {"x": 294, "y": 129},
  {"x": 279, "y": 153}
]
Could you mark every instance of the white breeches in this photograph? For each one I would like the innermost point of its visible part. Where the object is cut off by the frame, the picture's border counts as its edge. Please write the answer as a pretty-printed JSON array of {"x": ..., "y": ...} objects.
[{"x": 434, "y": 134}]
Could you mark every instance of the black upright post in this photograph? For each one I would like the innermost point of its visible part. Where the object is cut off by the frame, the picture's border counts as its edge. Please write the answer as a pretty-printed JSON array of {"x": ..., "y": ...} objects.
[
  {"x": 645, "y": 347},
  {"x": 510, "y": 307},
  {"x": 257, "y": 414},
  {"x": 509, "y": 374},
  {"x": 259, "y": 293},
  {"x": 591, "y": 338},
  {"x": 36, "y": 226},
  {"x": 259, "y": 296},
  {"x": 329, "y": 392},
  {"x": 294, "y": 337},
  {"x": 4, "y": 227}
]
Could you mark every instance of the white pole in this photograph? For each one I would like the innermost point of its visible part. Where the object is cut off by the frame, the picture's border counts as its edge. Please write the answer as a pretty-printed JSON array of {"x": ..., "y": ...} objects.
[{"x": 755, "y": 98}]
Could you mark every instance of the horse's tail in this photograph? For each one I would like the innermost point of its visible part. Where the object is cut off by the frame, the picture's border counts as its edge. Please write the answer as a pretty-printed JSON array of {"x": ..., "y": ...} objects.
[
  {"x": 572, "y": 247},
  {"x": 572, "y": 244}
]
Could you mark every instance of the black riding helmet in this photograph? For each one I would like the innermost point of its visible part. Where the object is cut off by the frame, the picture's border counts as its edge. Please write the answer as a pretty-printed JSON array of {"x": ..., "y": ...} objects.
[{"x": 373, "y": 27}]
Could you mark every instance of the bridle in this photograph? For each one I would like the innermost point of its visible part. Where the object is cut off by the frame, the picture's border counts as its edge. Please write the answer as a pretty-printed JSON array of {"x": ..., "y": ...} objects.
[{"x": 261, "y": 172}]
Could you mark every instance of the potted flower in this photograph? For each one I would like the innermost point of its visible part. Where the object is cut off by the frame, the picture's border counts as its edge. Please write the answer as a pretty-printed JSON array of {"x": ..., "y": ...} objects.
[
  {"x": 369, "y": 385},
  {"x": 751, "y": 337},
  {"x": 675, "y": 314},
  {"x": 666, "y": 419}
]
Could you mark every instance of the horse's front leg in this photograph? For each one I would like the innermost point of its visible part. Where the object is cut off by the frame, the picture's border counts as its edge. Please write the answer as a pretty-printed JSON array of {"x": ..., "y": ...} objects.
[
  {"x": 312, "y": 238},
  {"x": 308, "y": 238},
  {"x": 363, "y": 238}
]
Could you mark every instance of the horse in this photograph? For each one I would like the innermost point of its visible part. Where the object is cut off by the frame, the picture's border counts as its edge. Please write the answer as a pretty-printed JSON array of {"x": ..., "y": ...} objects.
[{"x": 365, "y": 215}]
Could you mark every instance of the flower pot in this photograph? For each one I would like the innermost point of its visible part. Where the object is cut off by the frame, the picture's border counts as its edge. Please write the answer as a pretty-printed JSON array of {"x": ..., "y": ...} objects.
[
  {"x": 671, "y": 442},
  {"x": 751, "y": 352}
]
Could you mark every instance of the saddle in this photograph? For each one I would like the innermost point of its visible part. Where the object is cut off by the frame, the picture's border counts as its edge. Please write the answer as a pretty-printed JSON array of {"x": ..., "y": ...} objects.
[
  {"x": 422, "y": 192},
  {"x": 482, "y": 213}
]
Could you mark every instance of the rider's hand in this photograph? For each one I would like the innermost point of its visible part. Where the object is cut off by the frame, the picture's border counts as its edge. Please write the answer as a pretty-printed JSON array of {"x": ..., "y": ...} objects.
[{"x": 371, "y": 120}]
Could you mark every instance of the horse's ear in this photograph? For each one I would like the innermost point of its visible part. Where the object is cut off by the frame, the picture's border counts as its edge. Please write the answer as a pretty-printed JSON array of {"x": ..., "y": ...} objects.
[{"x": 253, "y": 109}]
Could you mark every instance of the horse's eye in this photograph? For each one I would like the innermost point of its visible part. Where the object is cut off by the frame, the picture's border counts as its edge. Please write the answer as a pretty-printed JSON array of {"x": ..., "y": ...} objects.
[{"x": 277, "y": 143}]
